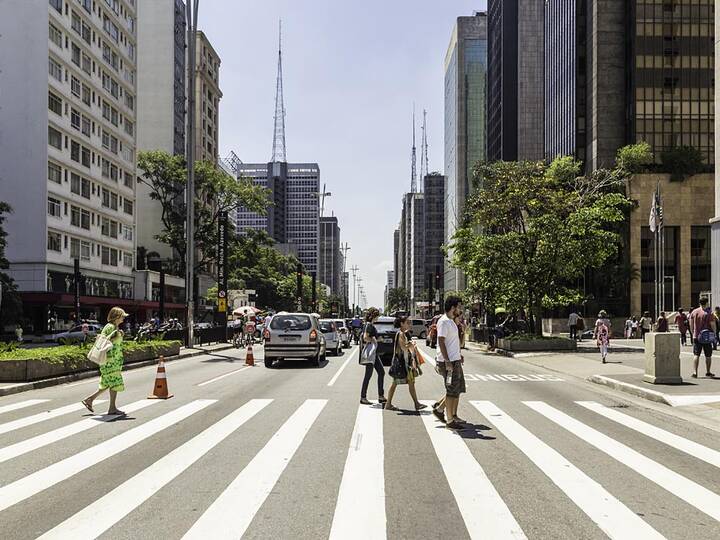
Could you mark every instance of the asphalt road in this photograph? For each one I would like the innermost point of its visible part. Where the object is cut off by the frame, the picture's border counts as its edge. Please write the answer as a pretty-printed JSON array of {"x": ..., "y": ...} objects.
[{"x": 289, "y": 453}]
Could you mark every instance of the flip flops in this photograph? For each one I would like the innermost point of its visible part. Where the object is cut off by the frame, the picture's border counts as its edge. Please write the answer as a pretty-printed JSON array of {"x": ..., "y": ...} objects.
[{"x": 88, "y": 406}]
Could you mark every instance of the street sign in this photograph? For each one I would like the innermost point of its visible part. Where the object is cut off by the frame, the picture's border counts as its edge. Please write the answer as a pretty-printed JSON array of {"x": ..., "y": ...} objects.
[
  {"x": 222, "y": 305},
  {"x": 222, "y": 268}
]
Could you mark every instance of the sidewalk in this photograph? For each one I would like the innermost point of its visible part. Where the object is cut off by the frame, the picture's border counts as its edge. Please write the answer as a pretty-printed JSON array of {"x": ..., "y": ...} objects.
[{"x": 15, "y": 388}]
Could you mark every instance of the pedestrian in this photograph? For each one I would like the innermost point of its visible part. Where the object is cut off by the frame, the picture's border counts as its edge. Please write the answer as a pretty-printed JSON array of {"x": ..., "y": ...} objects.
[
  {"x": 449, "y": 363},
  {"x": 628, "y": 328},
  {"x": 602, "y": 334},
  {"x": 662, "y": 323},
  {"x": 18, "y": 333},
  {"x": 404, "y": 368},
  {"x": 682, "y": 324},
  {"x": 85, "y": 329},
  {"x": 111, "y": 372},
  {"x": 703, "y": 330},
  {"x": 573, "y": 324},
  {"x": 580, "y": 326},
  {"x": 370, "y": 338},
  {"x": 646, "y": 324},
  {"x": 460, "y": 322},
  {"x": 716, "y": 314}
]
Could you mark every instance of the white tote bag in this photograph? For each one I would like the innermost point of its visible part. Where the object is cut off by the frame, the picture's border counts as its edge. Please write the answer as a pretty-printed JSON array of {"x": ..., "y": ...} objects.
[
  {"x": 369, "y": 351},
  {"x": 102, "y": 346}
]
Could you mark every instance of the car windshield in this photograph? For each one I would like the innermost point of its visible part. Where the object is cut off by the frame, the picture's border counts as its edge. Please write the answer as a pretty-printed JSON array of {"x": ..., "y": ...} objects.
[
  {"x": 383, "y": 328},
  {"x": 340, "y": 324},
  {"x": 326, "y": 327},
  {"x": 291, "y": 322}
]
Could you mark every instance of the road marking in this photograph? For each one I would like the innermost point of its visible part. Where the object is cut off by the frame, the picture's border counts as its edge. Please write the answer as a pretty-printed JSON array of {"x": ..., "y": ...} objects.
[
  {"x": 614, "y": 518},
  {"x": 694, "y": 494},
  {"x": 224, "y": 375},
  {"x": 363, "y": 482},
  {"x": 233, "y": 511},
  {"x": 41, "y": 417},
  {"x": 513, "y": 377},
  {"x": 38, "y": 481},
  {"x": 485, "y": 513},
  {"x": 33, "y": 443},
  {"x": 98, "y": 517},
  {"x": 21, "y": 405},
  {"x": 344, "y": 365},
  {"x": 684, "y": 445}
]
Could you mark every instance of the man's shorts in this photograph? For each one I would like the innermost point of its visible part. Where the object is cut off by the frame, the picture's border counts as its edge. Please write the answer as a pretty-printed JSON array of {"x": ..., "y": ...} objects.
[
  {"x": 457, "y": 384},
  {"x": 699, "y": 348}
]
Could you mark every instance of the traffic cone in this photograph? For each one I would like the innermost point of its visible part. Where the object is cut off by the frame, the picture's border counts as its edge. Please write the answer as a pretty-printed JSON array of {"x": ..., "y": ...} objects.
[
  {"x": 249, "y": 358},
  {"x": 160, "y": 391}
]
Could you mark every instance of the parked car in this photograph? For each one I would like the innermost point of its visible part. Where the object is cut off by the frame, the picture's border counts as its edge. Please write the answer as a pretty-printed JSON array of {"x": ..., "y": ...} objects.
[
  {"x": 386, "y": 338},
  {"x": 333, "y": 341},
  {"x": 344, "y": 333},
  {"x": 418, "y": 328},
  {"x": 294, "y": 335},
  {"x": 431, "y": 337},
  {"x": 75, "y": 333}
]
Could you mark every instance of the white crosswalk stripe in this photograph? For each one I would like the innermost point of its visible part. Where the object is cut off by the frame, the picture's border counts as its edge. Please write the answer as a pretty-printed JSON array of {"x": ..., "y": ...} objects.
[
  {"x": 694, "y": 494},
  {"x": 40, "y": 480},
  {"x": 485, "y": 513},
  {"x": 363, "y": 480},
  {"x": 225, "y": 518},
  {"x": 41, "y": 417},
  {"x": 613, "y": 517},
  {"x": 21, "y": 405},
  {"x": 689, "y": 447},
  {"x": 44, "y": 439},
  {"x": 98, "y": 517}
]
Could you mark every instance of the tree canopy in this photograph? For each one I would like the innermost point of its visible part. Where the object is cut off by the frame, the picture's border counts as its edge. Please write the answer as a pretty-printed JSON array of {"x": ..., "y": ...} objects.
[
  {"x": 11, "y": 305},
  {"x": 398, "y": 299}
]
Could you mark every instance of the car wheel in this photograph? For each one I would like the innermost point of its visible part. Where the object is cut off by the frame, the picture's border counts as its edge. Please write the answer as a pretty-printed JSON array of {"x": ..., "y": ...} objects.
[
  {"x": 422, "y": 335},
  {"x": 268, "y": 362}
]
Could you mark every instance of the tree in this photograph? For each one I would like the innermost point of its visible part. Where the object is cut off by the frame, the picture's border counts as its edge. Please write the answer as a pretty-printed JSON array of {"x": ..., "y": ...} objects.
[
  {"x": 682, "y": 161},
  {"x": 215, "y": 192},
  {"x": 11, "y": 304},
  {"x": 634, "y": 158},
  {"x": 531, "y": 230},
  {"x": 398, "y": 299}
]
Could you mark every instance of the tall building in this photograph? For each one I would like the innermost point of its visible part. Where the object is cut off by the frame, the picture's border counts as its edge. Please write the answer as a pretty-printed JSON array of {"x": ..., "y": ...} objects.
[
  {"x": 207, "y": 99},
  {"x": 389, "y": 285},
  {"x": 67, "y": 145},
  {"x": 465, "y": 121},
  {"x": 715, "y": 222},
  {"x": 434, "y": 214},
  {"x": 515, "y": 80},
  {"x": 331, "y": 259}
]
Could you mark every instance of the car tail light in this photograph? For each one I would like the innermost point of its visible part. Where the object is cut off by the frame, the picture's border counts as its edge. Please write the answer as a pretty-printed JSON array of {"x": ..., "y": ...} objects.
[
  {"x": 313, "y": 335},
  {"x": 266, "y": 335}
]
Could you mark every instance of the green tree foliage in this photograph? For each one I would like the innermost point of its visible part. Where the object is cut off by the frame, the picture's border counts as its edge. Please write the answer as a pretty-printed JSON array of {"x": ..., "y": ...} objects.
[
  {"x": 11, "y": 306},
  {"x": 682, "y": 161},
  {"x": 634, "y": 158},
  {"x": 398, "y": 299},
  {"x": 531, "y": 229},
  {"x": 215, "y": 192}
]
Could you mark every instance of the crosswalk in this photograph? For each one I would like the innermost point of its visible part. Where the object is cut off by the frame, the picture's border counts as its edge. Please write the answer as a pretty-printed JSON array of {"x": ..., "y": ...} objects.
[{"x": 360, "y": 506}]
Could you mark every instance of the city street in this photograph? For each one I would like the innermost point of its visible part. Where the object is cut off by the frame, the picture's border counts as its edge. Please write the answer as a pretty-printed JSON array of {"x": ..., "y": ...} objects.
[{"x": 289, "y": 453}]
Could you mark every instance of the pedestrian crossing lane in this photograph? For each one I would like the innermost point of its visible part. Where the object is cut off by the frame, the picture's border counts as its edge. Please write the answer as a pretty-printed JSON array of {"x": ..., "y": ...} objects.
[
  {"x": 41, "y": 417},
  {"x": 609, "y": 514},
  {"x": 21, "y": 405}
]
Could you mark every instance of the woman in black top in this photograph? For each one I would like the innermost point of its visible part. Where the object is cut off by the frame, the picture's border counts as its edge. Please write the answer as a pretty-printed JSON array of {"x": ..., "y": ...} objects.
[{"x": 370, "y": 336}]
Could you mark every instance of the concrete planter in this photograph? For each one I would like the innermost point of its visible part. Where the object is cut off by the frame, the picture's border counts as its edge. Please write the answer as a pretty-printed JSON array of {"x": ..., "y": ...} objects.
[
  {"x": 33, "y": 370},
  {"x": 536, "y": 345}
]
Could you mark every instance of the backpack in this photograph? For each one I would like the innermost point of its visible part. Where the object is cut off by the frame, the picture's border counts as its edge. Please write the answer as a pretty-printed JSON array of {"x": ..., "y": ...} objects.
[{"x": 706, "y": 337}]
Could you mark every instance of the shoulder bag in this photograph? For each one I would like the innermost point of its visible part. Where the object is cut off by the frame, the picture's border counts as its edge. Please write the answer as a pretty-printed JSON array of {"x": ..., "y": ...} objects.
[
  {"x": 398, "y": 366},
  {"x": 102, "y": 346},
  {"x": 369, "y": 351}
]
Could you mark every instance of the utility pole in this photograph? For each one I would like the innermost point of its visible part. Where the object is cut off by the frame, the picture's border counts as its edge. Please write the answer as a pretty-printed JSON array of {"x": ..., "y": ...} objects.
[
  {"x": 354, "y": 270},
  {"x": 321, "y": 196},
  {"x": 359, "y": 284},
  {"x": 191, "y": 8},
  {"x": 344, "y": 248}
]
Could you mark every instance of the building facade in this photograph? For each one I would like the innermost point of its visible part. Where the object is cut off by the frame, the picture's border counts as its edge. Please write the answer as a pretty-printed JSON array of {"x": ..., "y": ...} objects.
[
  {"x": 67, "y": 144},
  {"x": 715, "y": 222},
  {"x": 465, "y": 121},
  {"x": 207, "y": 99},
  {"x": 331, "y": 259},
  {"x": 434, "y": 192}
]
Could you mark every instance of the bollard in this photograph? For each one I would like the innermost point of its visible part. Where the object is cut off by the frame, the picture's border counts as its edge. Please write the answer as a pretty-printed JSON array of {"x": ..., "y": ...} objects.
[{"x": 662, "y": 358}]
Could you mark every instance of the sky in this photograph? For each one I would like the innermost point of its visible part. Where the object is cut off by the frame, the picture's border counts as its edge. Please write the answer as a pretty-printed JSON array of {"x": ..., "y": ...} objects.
[{"x": 351, "y": 73}]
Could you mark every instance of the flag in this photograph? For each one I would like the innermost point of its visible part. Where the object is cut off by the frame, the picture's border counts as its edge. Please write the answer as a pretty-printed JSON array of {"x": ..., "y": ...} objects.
[{"x": 656, "y": 211}]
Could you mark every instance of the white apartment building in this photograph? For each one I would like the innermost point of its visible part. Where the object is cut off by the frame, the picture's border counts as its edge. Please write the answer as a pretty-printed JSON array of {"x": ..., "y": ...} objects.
[
  {"x": 207, "y": 99},
  {"x": 68, "y": 151}
]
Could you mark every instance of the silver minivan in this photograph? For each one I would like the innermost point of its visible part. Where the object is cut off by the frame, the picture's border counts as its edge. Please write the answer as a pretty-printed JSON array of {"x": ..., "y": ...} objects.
[
  {"x": 418, "y": 328},
  {"x": 294, "y": 335}
]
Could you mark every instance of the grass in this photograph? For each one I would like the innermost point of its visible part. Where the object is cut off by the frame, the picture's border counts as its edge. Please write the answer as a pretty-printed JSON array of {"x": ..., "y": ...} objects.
[
  {"x": 73, "y": 353},
  {"x": 533, "y": 337}
]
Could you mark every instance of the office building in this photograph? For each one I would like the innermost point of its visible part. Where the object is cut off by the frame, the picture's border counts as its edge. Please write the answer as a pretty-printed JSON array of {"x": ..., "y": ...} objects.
[
  {"x": 207, "y": 99},
  {"x": 465, "y": 121},
  {"x": 515, "y": 80},
  {"x": 389, "y": 285},
  {"x": 331, "y": 259},
  {"x": 434, "y": 228},
  {"x": 67, "y": 145},
  {"x": 715, "y": 222}
]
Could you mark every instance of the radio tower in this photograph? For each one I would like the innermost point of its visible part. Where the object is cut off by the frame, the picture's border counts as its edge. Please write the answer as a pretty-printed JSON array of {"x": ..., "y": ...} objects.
[
  {"x": 413, "y": 170},
  {"x": 424, "y": 165},
  {"x": 278, "y": 153}
]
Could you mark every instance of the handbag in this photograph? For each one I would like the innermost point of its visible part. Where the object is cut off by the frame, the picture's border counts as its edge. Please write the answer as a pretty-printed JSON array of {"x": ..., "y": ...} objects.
[
  {"x": 398, "y": 366},
  {"x": 102, "y": 346},
  {"x": 369, "y": 352},
  {"x": 706, "y": 337}
]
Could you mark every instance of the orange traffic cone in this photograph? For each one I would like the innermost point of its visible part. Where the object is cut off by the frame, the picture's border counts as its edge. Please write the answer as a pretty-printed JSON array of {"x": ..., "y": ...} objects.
[
  {"x": 160, "y": 391},
  {"x": 249, "y": 358}
]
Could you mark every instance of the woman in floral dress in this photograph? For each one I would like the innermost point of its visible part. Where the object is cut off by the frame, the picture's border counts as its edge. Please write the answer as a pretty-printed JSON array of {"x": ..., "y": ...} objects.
[
  {"x": 406, "y": 353},
  {"x": 111, "y": 372}
]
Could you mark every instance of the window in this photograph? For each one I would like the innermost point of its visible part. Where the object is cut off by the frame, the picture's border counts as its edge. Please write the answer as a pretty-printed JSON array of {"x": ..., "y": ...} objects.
[
  {"x": 111, "y": 28},
  {"x": 75, "y": 151},
  {"x": 57, "y": 4},
  {"x": 128, "y": 207},
  {"x": 86, "y": 64},
  {"x": 54, "y": 103},
  {"x": 105, "y": 198},
  {"x": 76, "y": 23},
  {"x": 74, "y": 248},
  {"x": 85, "y": 219},
  {"x": 85, "y": 156},
  {"x": 85, "y": 126},
  {"x": 53, "y": 207},
  {"x": 110, "y": 142},
  {"x": 75, "y": 86},
  {"x": 110, "y": 84},
  {"x": 105, "y": 255},
  {"x": 75, "y": 54},
  {"x": 113, "y": 257},
  {"x": 75, "y": 119},
  {"x": 55, "y": 35},
  {"x": 87, "y": 4},
  {"x": 86, "y": 33},
  {"x": 127, "y": 259},
  {"x": 80, "y": 186},
  {"x": 110, "y": 56},
  {"x": 113, "y": 229},
  {"x": 54, "y": 241},
  {"x": 129, "y": 180},
  {"x": 54, "y": 173},
  {"x": 128, "y": 233},
  {"x": 129, "y": 127},
  {"x": 54, "y": 138},
  {"x": 86, "y": 94},
  {"x": 55, "y": 69},
  {"x": 75, "y": 216},
  {"x": 113, "y": 201},
  {"x": 105, "y": 168},
  {"x": 84, "y": 251},
  {"x": 114, "y": 170},
  {"x": 105, "y": 227},
  {"x": 130, "y": 102}
]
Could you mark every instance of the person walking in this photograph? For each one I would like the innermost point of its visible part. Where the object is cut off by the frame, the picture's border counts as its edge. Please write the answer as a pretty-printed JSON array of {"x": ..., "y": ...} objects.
[
  {"x": 602, "y": 334},
  {"x": 662, "y": 323},
  {"x": 646, "y": 324},
  {"x": 369, "y": 336},
  {"x": 628, "y": 328},
  {"x": 85, "y": 328},
  {"x": 703, "y": 330},
  {"x": 635, "y": 327},
  {"x": 449, "y": 363},
  {"x": 716, "y": 314},
  {"x": 573, "y": 324},
  {"x": 460, "y": 322},
  {"x": 682, "y": 324},
  {"x": 111, "y": 372},
  {"x": 405, "y": 364}
]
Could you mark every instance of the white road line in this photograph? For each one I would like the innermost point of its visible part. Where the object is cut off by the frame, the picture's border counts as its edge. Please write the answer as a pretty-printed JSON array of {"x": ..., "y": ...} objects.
[
  {"x": 485, "y": 513},
  {"x": 694, "y": 494},
  {"x": 360, "y": 508},
  {"x": 41, "y": 417},
  {"x": 233, "y": 511},
  {"x": 62, "y": 470},
  {"x": 33, "y": 443},
  {"x": 614, "y": 518},
  {"x": 224, "y": 375},
  {"x": 21, "y": 405},
  {"x": 98, "y": 517},
  {"x": 684, "y": 445},
  {"x": 344, "y": 365}
]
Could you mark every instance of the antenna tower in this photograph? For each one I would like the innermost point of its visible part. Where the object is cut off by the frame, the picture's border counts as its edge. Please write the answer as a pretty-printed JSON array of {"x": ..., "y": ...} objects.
[
  {"x": 413, "y": 170},
  {"x": 278, "y": 154},
  {"x": 424, "y": 161}
]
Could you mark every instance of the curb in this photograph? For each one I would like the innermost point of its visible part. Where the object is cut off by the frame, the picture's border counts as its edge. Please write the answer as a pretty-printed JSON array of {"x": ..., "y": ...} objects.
[
  {"x": 56, "y": 381},
  {"x": 645, "y": 393}
]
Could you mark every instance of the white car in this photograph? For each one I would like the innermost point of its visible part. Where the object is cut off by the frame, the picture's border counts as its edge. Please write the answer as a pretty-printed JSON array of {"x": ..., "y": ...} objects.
[
  {"x": 329, "y": 329},
  {"x": 294, "y": 335},
  {"x": 76, "y": 334},
  {"x": 344, "y": 333}
]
